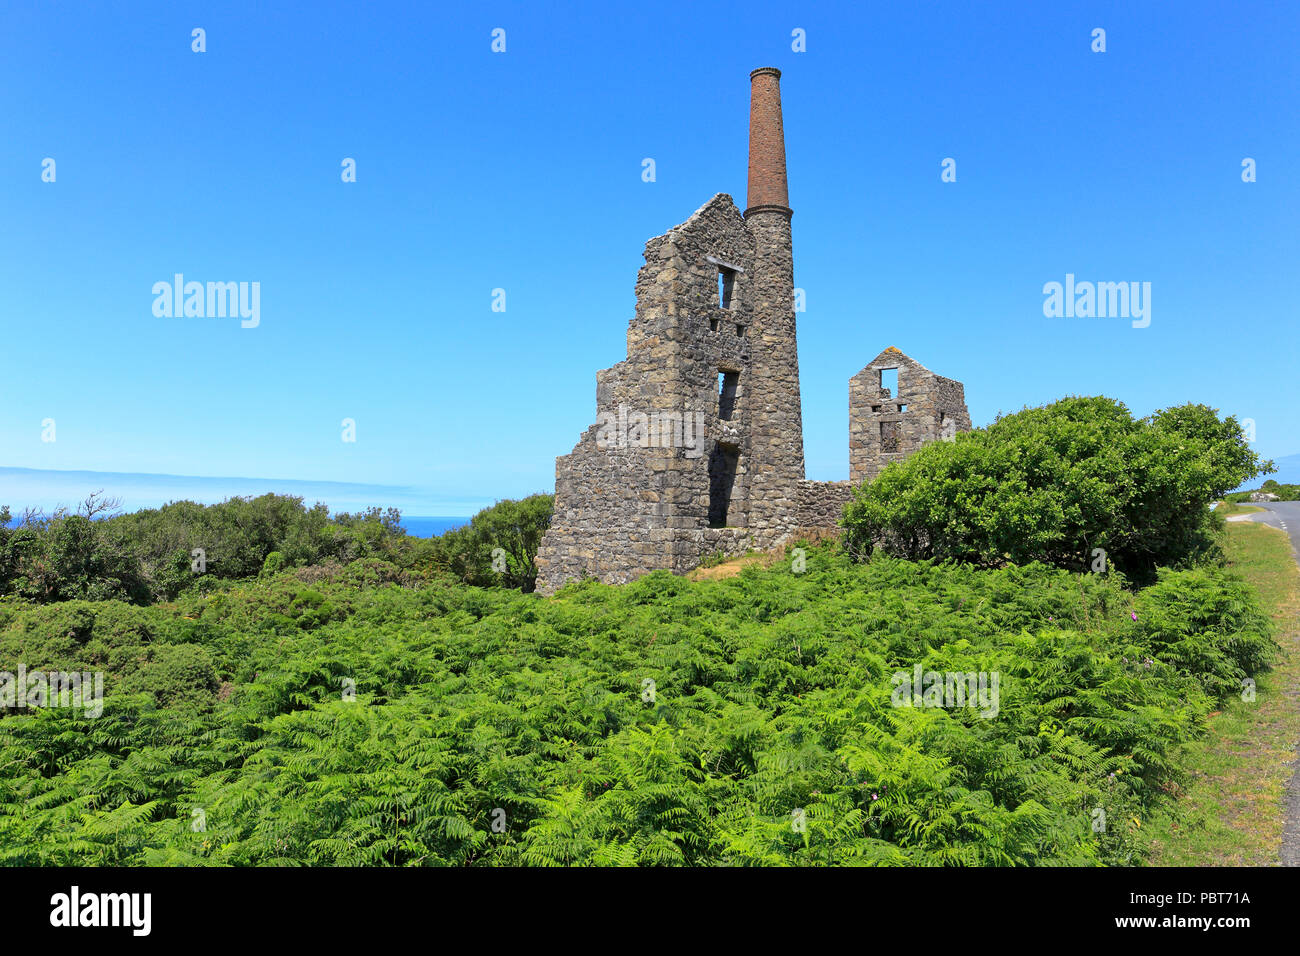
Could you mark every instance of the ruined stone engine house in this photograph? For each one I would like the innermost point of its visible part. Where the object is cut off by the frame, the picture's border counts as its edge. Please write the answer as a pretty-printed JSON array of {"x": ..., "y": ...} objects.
[{"x": 698, "y": 444}]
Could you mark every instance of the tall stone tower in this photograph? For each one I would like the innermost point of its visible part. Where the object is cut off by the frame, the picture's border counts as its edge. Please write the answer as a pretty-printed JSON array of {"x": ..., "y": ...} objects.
[
  {"x": 698, "y": 444},
  {"x": 775, "y": 412}
]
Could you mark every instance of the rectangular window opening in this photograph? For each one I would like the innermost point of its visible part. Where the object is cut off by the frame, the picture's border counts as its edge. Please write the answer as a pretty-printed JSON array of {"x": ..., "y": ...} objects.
[
  {"x": 889, "y": 433},
  {"x": 726, "y": 285},
  {"x": 889, "y": 381},
  {"x": 728, "y": 383}
]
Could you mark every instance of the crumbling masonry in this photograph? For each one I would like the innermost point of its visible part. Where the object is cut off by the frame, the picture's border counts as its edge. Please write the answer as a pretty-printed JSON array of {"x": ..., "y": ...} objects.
[
  {"x": 888, "y": 423},
  {"x": 698, "y": 444}
]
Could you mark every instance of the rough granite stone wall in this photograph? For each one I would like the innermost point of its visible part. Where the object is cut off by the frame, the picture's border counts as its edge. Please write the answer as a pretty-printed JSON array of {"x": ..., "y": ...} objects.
[
  {"x": 630, "y": 475},
  {"x": 821, "y": 503},
  {"x": 884, "y": 428},
  {"x": 775, "y": 410}
]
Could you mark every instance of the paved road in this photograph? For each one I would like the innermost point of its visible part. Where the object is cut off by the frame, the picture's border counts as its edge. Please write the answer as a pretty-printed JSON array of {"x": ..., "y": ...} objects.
[
  {"x": 1286, "y": 515},
  {"x": 1279, "y": 514}
]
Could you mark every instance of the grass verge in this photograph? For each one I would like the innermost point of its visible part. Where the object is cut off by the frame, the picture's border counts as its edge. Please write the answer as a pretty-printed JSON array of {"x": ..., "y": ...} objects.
[
  {"x": 1229, "y": 510},
  {"x": 1233, "y": 809}
]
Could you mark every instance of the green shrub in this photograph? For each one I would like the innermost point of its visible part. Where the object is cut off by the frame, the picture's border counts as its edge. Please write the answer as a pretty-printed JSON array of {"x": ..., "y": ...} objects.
[
  {"x": 147, "y": 555},
  {"x": 498, "y": 547},
  {"x": 177, "y": 675},
  {"x": 1060, "y": 485}
]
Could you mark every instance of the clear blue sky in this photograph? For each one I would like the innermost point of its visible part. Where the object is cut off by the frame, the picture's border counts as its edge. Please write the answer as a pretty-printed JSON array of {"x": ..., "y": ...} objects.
[{"x": 522, "y": 171}]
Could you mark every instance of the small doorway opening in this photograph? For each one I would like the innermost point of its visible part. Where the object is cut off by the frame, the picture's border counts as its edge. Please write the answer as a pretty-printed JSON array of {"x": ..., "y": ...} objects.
[{"x": 722, "y": 479}]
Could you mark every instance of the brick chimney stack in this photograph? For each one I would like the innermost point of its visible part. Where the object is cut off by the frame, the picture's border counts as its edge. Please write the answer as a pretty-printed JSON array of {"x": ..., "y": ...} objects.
[{"x": 767, "y": 186}]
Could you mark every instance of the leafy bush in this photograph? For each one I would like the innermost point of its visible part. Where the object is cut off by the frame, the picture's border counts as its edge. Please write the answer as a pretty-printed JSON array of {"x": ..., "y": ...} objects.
[
  {"x": 239, "y": 537},
  {"x": 69, "y": 557},
  {"x": 176, "y": 674},
  {"x": 515, "y": 527},
  {"x": 147, "y": 555},
  {"x": 1053, "y": 484}
]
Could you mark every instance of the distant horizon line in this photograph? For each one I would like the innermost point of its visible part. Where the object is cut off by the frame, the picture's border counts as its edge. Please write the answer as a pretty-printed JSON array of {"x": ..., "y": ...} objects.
[
  {"x": 167, "y": 474},
  {"x": 348, "y": 496},
  {"x": 48, "y": 489}
]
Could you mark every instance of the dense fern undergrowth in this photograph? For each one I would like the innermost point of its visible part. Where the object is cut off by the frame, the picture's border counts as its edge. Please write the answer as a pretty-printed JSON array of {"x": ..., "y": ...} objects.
[{"x": 490, "y": 727}]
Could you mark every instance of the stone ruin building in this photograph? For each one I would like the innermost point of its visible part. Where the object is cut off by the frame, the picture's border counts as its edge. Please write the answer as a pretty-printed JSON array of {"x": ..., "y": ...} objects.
[
  {"x": 698, "y": 444},
  {"x": 887, "y": 422}
]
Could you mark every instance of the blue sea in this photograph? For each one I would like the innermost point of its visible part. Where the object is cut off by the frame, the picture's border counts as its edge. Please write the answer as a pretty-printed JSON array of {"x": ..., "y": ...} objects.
[
  {"x": 421, "y": 526},
  {"x": 48, "y": 490},
  {"x": 417, "y": 526}
]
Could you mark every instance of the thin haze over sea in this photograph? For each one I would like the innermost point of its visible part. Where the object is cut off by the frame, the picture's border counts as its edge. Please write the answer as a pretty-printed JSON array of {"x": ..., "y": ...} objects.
[{"x": 46, "y": 490}]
